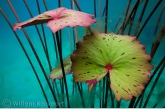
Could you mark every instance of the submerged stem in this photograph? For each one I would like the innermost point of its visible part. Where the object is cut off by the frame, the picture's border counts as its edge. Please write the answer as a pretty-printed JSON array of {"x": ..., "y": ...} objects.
[
  {"x": 158, "y": 40},
  {"x": 62, "y": 66},
  {"x": 34, "y": 51},
  {"x": 26, "y": 54},
  {"x": 153, "y": 86},
  {"x": 148, "y": 18}
]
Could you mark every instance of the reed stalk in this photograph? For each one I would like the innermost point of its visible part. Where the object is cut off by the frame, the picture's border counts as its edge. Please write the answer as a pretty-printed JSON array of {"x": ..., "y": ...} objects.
[
  {"x": 26, "y": 54},
  {"x": 158, "y": 40},
  {"x": 34, "y": 51}
]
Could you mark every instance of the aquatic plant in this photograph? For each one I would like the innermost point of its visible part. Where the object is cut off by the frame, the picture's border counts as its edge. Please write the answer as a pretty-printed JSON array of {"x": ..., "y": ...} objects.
[
  {"x": 100, "y": 95},
  {"x": 58, "y": 19},
  {"x": 122, "y": 58}
]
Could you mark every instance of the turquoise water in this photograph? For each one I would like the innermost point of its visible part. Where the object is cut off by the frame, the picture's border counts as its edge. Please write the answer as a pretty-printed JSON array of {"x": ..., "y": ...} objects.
[{"x": 19, "y": 86}]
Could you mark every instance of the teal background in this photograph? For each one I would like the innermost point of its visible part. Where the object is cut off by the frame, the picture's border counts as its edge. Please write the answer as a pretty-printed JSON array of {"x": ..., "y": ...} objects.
[{"x": 17, "y": 79}]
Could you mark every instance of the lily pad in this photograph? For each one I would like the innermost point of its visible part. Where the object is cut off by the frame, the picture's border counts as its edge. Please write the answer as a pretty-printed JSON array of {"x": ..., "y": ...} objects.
[
  {"x": 57, "y": 71},
  {"x": 58, "y": 19},
  {"x": 121, "y": 56}
]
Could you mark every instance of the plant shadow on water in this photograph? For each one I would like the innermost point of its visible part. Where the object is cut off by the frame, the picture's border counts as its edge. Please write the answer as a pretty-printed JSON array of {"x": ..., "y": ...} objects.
[{"x": 70, "y": 83}]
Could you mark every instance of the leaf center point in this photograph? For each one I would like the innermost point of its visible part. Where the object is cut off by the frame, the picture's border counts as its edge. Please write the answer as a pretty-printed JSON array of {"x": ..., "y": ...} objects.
[{"x": 109, "y": 67}]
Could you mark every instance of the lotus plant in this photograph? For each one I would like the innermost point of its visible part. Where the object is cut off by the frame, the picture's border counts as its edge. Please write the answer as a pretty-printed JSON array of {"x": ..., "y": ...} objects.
[
  {"x": 121, "y": 57},
  {"x": 58, "y": 19}
]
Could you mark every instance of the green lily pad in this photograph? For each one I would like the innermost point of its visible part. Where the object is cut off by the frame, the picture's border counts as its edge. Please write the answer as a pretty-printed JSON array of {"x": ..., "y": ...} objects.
[
  {"x": 121, "y": 56},
  {"x": 57, "y": 71}
]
